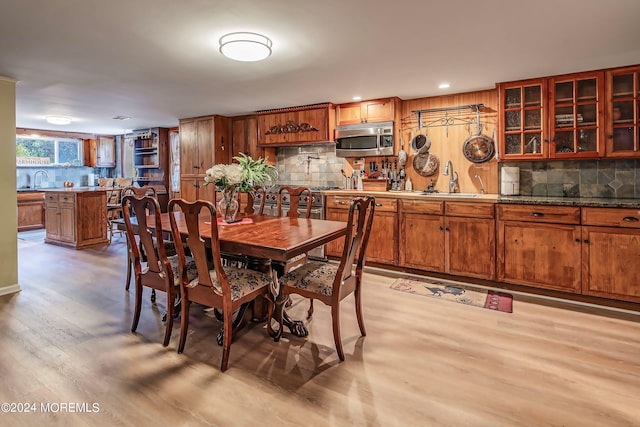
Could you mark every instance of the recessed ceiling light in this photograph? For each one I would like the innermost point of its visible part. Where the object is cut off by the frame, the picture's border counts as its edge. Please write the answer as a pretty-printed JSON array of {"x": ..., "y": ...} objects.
[
  {"x": 121, "y": 118},
  {"x": 58, "y": 120},
  {"x": 245, "y": 46},
  {"x": 357, "y": 98},
  {"x": 443, "y": 86}
]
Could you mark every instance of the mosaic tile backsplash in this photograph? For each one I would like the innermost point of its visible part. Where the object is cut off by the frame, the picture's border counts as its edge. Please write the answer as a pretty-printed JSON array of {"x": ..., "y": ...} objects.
[
  {"x": 315, "y": 166},
  {"x": 617, "y": 179}
]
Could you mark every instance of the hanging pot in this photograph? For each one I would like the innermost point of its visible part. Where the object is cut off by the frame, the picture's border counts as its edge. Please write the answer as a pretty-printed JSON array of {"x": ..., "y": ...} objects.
[
  {"x": 402, "y": 155},
  {"x": 478, "y": 148},
  {"x": 426, "y": 164}
]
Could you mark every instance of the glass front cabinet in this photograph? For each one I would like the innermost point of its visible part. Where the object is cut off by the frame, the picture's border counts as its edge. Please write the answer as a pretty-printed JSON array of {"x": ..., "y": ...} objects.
[
  {"x": 553, "y": 118},
  {"x": 623, "y": 112}
]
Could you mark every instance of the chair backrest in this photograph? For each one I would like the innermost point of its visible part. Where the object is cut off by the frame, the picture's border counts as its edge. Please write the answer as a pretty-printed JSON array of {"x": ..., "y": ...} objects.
[
  {"x": 295, "y": 195},
  {"x": 123, "y": 182},
  {"x": 150, "y": 240},
  {"x": 146, "y": 190},
  {"x": 251, "y": 199},
  {"x": 194, "y": 215},
  {"x": 355, "y": 243},
  {"x": 105, "y": 182}
]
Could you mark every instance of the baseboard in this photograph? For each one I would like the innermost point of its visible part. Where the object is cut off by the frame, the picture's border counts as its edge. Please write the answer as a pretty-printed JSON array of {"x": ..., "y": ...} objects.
[{"x": 11, "y": 289}]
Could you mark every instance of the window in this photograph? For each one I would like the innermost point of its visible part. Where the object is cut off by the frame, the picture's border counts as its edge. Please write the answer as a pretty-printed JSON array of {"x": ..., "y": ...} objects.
[{"x": 43, "y": 151}]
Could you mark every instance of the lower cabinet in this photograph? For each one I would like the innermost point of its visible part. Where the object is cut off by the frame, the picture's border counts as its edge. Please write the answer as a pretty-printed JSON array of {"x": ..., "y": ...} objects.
[
  {"x": 448, "y": 237},
  {"x": 76, "y": 219},
  {"x": 382, "y": 246},
  {"x": 30, "y": 211},
  {"x": 192, "y": 189},
  {"x": 540, "y": 246},
  {"x": 611, "y": 253}
]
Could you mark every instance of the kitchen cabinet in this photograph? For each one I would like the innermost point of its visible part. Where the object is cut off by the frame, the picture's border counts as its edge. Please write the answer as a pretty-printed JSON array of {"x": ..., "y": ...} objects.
[
  {"x": 311, "y": 124},
  {"x": 445, "y": 237},
  {"x": 383, "y": 238},
  {"x": 623, "y": 112},
  {"x": 204, "y": 141},
  {"x": 376, "y": 110},
  {"x": 610, "y": 253},
  {"x": 540, "y": 246},
  {"x": 244, "y": 139},
  {"x": 76, "y": 218},
  {"x": 30, "y": 211},
  {"x": 100, "y": 152},
  {"x": 560, "y": 117}
]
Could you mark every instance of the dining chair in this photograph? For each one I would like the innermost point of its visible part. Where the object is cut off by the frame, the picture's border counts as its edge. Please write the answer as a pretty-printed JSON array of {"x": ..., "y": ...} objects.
[
  {"x": 225, "y": 288},
  {"x": 331, "y": 283},
  {"x": 156, "y": 270}
]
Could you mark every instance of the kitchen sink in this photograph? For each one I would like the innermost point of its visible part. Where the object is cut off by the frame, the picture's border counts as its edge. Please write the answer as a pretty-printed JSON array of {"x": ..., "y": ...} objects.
[{"x": 449, "y": 194}]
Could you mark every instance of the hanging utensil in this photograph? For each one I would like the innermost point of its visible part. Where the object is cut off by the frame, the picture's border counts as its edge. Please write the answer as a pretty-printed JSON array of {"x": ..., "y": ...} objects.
[
  {"x": 478, "y": 148},
  {"x": 402, "y": 155}
]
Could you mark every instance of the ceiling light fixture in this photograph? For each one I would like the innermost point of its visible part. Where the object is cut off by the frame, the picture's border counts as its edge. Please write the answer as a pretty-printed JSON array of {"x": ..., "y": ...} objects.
[
  {"x": 357, "y": 98},
  {"x": 245, "y": 47},
  {"x": 443, "y": 86},
  {"x": 58, "y": 120}
]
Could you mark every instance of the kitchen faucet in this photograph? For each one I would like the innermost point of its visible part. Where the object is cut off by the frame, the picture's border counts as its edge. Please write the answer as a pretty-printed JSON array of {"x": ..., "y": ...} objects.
[
  {"x": 35, "y": 177},
  {"x": 453, "y": 182}
]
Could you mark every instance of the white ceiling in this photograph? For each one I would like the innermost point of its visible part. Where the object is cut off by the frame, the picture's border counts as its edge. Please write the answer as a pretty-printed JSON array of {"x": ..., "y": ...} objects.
[{"x": 157, "y": 60}]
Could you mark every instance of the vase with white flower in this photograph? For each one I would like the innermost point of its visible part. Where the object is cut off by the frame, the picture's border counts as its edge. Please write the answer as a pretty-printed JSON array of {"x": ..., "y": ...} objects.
[{"x": 242, "y": 176}]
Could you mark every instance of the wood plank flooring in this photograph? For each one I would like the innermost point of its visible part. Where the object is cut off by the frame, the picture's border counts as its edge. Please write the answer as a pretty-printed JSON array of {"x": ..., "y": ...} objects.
[{"x": 66, "y": 338}]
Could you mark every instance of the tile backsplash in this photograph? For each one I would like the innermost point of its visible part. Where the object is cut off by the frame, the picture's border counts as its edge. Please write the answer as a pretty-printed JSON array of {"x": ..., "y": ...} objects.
[
  {"x": 57, "y": 175},
  {"x": 585, "y": 178},
  {"x": 314, "y": 165}
]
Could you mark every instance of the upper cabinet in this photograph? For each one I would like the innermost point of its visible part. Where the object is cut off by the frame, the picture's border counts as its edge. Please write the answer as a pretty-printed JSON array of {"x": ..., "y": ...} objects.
[
  {"x": 623, "y": 112},
  {"x": 577, "y": 116},
  {"x": 561, "y": 117},
  {"x": 523, "y": 124},
  {"x": 311, "y": 124},
  {"x": 376, "y": 110},
  {"x": 100, "y": 152}
]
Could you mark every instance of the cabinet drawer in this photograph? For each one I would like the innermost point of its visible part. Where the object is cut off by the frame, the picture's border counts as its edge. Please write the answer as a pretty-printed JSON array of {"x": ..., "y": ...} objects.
[
  {"x": 67, "y": 198},
  {"x": 338, "y": 202},
  {"x": 419, "y": 206},
  {"x": 51, "y": 197},
  {"x": 386, "y": 205},
  {"x": 611, "y": 217},
  {"x": 475, "y": 210},
  {"x": 539, "y": 213}
]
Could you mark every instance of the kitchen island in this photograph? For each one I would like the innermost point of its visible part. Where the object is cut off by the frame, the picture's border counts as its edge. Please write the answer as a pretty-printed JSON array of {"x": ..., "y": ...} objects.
[{"x": 76, "y": 217}]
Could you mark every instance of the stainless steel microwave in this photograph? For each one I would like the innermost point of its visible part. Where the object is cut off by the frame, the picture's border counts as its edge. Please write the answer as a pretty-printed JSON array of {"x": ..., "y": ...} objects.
[{"x": 362, "y": 140}]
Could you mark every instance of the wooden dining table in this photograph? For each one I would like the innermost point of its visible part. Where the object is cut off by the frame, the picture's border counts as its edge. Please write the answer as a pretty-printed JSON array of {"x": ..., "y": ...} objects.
[{"x": 264, "y": 239}]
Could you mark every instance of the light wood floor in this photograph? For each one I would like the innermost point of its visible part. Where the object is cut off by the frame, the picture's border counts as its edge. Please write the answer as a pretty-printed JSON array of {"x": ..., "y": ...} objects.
[{"x": 65, "y": 338}]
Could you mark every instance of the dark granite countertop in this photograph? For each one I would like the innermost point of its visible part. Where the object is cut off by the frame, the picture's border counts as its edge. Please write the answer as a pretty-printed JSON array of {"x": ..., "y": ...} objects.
[{"x": 572, "y": 201}]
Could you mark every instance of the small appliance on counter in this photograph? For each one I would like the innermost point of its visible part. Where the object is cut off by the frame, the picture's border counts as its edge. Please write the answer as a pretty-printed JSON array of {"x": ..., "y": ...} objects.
[{"x": 510, "y": 181}]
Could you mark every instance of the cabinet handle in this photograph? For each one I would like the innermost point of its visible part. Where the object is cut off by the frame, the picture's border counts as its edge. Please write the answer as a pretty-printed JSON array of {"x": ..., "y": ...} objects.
[
  {"x": 586, "y": 240},
  {"x": 630, "y": 219},
  {"x": 196, "y": 167},
  {"x": 342, "y": 202},
  {"x": 378, "y": 204},
  {"x": 537, "y": 214},
  {"x": 578, "y": 240},
  {"x": 446, "y": 229},
  {"x": 441, "y": 228}
]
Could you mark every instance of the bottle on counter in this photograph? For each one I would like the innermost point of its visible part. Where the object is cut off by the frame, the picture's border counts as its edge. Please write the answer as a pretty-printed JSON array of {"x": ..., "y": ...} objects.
[{"x": 408, "y": 185}]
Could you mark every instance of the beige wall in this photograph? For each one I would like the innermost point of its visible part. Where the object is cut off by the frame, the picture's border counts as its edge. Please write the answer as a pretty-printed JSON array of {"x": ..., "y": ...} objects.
[{"x": 8, "y": 215}]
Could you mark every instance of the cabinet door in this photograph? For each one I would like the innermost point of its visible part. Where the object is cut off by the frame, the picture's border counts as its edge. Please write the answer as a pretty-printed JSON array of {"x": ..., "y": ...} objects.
[
  {"x": 422, "y": 241},
  {"x": 221, "y": 138},
  {"x": 383, "y": 238},
  {"x": 523, "y": 124},
  {"x": 470, "y": 247},
  {"x": 204, "y": 142},
  {"x": 623, "y": 113},
  {"x": 540, "y": 255},
  {"x": 577, "y": 116},
  {"x": 189, "y": 188},
  {"x": 610, "y": 259},
  {"x": 188, "y": 148},
  {"x": 105, "y": 151},
  {"x": 380, "y": 110},
  {"x": 52, "y": 221},
  {"x": 335, "y": 247},
  {"x": 349, "y": 113},
  {"x": 68, "y": 222}
]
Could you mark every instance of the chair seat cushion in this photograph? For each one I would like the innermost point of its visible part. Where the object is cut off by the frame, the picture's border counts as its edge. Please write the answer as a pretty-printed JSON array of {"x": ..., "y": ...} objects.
[
  {"x": 241, "y": 280},
  {"x": 192, "y": 271},
  {"x": 314, "y": 276}
]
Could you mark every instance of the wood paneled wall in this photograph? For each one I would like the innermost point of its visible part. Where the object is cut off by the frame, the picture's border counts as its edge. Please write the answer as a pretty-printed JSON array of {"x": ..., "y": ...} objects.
[{"x": 448, "y": 145}]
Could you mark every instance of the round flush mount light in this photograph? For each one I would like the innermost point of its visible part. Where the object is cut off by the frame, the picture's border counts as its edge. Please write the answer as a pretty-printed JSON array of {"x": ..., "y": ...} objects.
[
  {"x": 245, "y": 46},
  {"x": 58, "y": 120}
]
